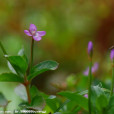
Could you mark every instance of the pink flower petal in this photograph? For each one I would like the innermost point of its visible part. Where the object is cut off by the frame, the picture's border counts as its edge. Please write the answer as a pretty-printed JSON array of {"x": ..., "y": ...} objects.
[
  {"x": 41, "y": 33},
  {"x": 27, "y": 33},
  {"x": 32, "y": 28},
  {"x": 37, "y": 38}
]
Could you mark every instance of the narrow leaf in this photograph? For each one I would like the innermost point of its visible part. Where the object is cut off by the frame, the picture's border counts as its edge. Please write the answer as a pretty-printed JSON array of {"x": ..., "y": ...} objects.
[{"x": 79, "y": 99}]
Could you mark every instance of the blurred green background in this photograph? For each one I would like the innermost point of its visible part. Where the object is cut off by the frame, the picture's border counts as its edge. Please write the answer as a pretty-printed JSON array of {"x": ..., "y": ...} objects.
[{"x": 69, "y": 25}]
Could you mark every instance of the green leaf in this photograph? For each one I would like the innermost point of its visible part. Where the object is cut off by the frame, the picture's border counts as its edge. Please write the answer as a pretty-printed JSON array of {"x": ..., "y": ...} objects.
[
  {"x": 101, "y": 102},
  {"x": 52, "y": 102},
  {"x": 42, "y": 67},
  {"x": 22, "y": 54},
  {"x": 110, "y": 108},
  {"x": 79, "y": 99},
  {"x": 38, "y": 103},
  {"x": 10, "y": 77},
  {"x": 19, "y": 63},
  {"x": 3, "y": 100},
  {"x": 34, "y": 92},
  {"x": 96, "y": 93},
  {"x": 11, "y": 68}
]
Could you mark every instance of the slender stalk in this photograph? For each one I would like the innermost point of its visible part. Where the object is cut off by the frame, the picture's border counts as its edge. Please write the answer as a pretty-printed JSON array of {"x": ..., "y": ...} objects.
[
  {"x": 28, "y": 94},
  {"x": 2, "y": 47},
  {"x": 112, "y": 86},
  {"x": 32, "y": 46},
  {"x": 90, "y": 82},
  {"x": 27, "y": 84}
]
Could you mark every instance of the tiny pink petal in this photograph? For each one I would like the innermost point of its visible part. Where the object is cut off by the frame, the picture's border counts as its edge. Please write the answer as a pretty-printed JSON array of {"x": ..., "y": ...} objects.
[
  {"x": 86, "y": 72},
  {"x": 32, "y": 28},
  {"x": 41, "y": 33},
  {"x": 27, "y": 33}
]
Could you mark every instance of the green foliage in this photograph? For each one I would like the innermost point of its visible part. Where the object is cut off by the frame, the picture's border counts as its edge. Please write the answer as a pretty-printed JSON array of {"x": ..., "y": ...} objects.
[
  {"x": 99, "y": 99},
  {"x": 42, "y": 67},
  {"x": 79, "y": 99},
  {"x": 18, "y": 63},
  {"x": 101, "y": 102},
  {"x": 3, "y": 101},
  {"x": 10, "y": 77}
]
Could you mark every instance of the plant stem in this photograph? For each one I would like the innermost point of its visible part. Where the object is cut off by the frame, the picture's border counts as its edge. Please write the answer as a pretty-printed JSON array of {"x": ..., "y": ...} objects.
[
  {"x": 90, "y": 82},
  {"x": 32, "y": 46},
  {"x": 27, "y": 84},
  {"x": 28, "y": 94},
  {"x": 112, "y": 86},
  {"x": 2, "y": 47}
]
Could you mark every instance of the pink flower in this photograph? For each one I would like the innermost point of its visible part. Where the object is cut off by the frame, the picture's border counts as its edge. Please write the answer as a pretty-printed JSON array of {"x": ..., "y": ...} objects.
[
  {"x": 94, "y": 69},
  {"x": 36, "y": 35},
  {"x": 86, "y": 95}
]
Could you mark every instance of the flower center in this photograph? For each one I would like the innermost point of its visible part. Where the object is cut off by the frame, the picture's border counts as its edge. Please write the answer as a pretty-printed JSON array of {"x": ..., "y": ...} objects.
[{"x": 33, "y": 33}]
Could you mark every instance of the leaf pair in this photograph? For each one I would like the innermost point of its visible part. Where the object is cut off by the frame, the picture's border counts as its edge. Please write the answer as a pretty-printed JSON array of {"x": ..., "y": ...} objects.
[{"x": 18, "y": 66}]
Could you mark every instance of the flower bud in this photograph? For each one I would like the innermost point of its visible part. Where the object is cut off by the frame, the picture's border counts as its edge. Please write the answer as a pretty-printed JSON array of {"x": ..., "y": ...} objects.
[
  {"x": 112, "y": 55},
  {"x": 90, "y": 48}
]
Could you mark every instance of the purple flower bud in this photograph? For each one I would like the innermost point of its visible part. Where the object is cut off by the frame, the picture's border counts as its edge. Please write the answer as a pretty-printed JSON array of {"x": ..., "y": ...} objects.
[
  {"x": 112, "y": 55},
  {"x": 90, "y": 48}
]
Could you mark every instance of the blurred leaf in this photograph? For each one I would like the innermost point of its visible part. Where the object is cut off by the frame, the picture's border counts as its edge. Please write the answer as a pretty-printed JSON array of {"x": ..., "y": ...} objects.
[
  {"x": 3, "y": 100},
  {"x": 22, "y": 54},
  {"x": 34, "y": 91},
  {"x": 18, "y": 63},
  {"x": 71, "y": 81},
  {"x": 101, "y": 102},
  {"x": 38, "y": 103},
  {"x": 110, "y": 108},
  {"x": 69, "y": 101},
  {"x": 96, "y": 92},
  {"x": 62, "y": 105},
  {"x": 10, "y": 77},
  {"x": 11, "y": 68},
  {"x": 24, "y": 105},
  {"x": 21, "y": 92},
  {"x": 52, "y": 102},
  {"x": 42, "y": 67},
  {"x": 79, "y": 99}
]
